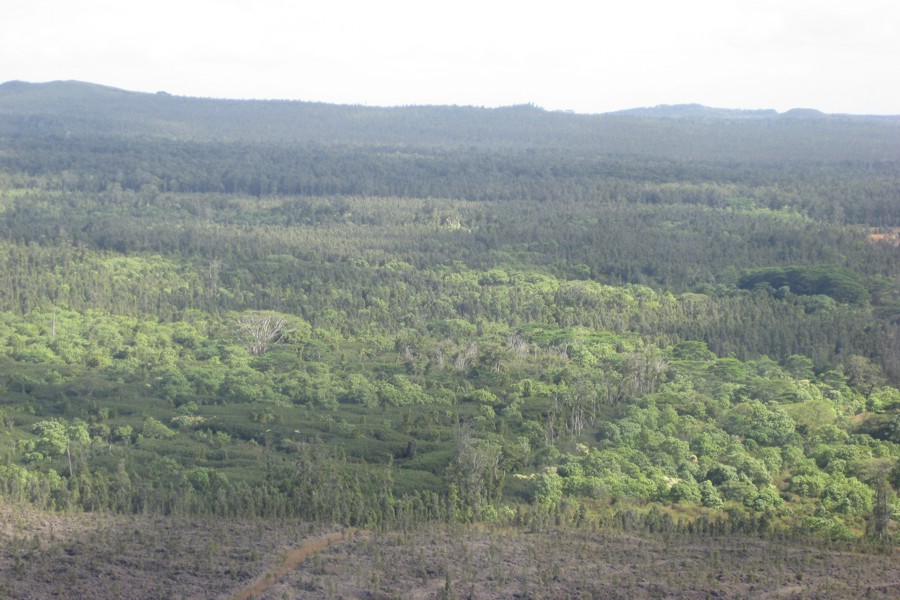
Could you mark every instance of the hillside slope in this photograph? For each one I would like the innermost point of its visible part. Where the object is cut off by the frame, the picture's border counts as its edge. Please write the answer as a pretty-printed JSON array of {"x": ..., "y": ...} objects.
[{"x": 62, "y": 109}]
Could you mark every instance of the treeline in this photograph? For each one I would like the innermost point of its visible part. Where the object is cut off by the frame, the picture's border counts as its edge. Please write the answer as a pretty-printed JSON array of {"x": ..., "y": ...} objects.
[
  {"x": 462, "y": 422},
  {"x": 377, "y": 332},
  {"x": 383, "y": 266},
  {"x": 67, "y": 110},
  {"x": 852, "y": 191},
  {"x": 843, "y": 285}
]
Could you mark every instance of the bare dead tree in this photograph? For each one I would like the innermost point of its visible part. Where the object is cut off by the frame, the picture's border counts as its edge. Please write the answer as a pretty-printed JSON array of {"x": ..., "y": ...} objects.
[
  {"x": 479, "y": 477},
  {"x": 516, "y": 344},
  {"x": 261, "y": 331},
  {"x": 645, "y": 371}
]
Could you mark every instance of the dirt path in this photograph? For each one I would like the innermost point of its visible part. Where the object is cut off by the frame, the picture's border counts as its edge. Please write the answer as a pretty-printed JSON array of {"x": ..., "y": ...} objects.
[{"x": 291, "y": 561}]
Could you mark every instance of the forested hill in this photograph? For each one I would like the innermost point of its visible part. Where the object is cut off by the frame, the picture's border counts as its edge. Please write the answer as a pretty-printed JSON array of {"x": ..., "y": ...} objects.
[
  {"x": 678, "y": 319},
  {"x": 67, "y": 108}
]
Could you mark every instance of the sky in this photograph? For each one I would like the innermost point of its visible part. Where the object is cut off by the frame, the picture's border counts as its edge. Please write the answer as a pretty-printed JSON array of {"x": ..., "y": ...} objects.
[{"x": 588, "y": 57}]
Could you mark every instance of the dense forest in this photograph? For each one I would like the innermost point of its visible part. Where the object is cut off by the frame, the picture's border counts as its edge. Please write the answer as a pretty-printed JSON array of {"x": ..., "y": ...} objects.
[{"x": 670, "y": 319}]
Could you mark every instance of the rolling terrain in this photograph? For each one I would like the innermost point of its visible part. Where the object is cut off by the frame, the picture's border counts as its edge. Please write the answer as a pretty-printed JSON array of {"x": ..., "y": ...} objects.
[{"x": 661, "y": 347}]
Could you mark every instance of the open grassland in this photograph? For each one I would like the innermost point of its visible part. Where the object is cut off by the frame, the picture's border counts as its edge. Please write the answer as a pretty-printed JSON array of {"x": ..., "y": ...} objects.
[
  {"x": 51, "y": 555},
  {"x": 464, "y": 562},
  {"x": 46, "y": 555}
]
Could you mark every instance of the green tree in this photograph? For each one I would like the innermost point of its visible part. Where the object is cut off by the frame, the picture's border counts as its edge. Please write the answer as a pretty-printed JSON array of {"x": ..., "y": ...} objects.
[
  {"x": 686, "y": 491},
  {"x": 765, "y": 424},
  {"x": 847, "y": 495},
  {"x": 56, "y": 438},
  {"x": 548, "y": 489},
  {"x": 155, "y": 429},
  {"x": 709, "y": 495}
]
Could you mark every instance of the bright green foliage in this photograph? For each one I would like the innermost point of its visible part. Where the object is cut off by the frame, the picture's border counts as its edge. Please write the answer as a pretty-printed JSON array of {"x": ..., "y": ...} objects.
[
  {"x": 154, "y": 429},
  {"x": 765, "y": 499},
  {"x": 375, "y": 333},
  {"x": 52, "y": 440},
  {"x": 548, "y": 490},
  {"x": 767, "y": 425},
  {"x": 709, "y": 495},
  {"x": 847, "y": 495},
  {"x": 687, "y": 491}
]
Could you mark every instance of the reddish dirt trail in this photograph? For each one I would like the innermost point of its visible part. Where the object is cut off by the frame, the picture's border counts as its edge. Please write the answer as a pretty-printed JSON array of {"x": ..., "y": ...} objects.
[{"x": 291, "y": 561}]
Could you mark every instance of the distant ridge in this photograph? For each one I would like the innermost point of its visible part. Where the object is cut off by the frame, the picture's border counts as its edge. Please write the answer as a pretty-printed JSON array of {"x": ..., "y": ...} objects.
[
  {"x": 74, "y": 89},
  {"x": 699, "y": 111},
  {"x": 70, "y": 110},
  {"x": 676, "y": 111},
  {"x": 804, "y": 113},
  {"x": 61, "y": 89}
]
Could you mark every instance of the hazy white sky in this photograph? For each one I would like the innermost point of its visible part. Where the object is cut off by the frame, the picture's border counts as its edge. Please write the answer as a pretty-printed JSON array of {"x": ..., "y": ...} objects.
[{"x": 837, "y": 56}]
